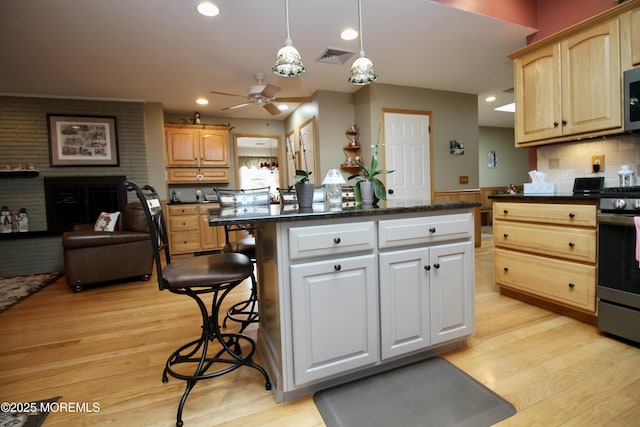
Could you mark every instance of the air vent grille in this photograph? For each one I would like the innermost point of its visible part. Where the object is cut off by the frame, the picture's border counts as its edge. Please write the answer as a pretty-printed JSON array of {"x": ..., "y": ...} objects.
[{"x": 335, "y": 56}]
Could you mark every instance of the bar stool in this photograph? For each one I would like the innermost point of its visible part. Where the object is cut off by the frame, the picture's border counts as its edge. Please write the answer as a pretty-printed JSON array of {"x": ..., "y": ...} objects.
[
  {"x": 214, "y": 353},
  {"x": 245, "y": 312}
]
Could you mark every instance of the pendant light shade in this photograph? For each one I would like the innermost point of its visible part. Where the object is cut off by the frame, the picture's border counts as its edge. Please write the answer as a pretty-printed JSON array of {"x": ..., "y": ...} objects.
[
  {"x": 362, "y": 69},
  {"x": 288, "y": 61}
]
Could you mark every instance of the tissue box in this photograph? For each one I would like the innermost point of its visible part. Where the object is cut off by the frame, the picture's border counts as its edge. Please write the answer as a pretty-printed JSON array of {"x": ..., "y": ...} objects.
[{"x": 540, "y": 188}]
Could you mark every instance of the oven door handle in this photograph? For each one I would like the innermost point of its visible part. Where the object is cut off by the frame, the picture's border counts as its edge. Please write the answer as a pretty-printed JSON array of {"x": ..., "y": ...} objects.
[{"x": 615, "y": 219}]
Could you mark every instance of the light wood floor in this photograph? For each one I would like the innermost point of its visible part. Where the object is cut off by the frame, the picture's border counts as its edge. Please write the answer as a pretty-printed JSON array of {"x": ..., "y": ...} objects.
[{"x": 108, "y": 346}]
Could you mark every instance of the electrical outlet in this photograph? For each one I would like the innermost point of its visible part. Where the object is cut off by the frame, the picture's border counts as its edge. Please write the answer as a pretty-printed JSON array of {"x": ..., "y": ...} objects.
[
  {"x": 597, "y": 163},
  {"x": 464, "y": 179}
]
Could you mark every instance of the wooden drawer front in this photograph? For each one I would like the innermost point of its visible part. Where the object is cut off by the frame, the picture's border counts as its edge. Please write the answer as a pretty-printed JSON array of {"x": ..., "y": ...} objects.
[
  {"x": 186, "y": 241},
  {"x": 184, "y": 223},
  {"x": 410, "y": 231},
  {"x": 571, "y": 243},
  {"x": 195, "y": 175},
  {"x": 565, "y": 214},
  {"x": 175, "y": 210},
  {"x": 565, "y": 282},
  {"x": 321, "y": 240}
]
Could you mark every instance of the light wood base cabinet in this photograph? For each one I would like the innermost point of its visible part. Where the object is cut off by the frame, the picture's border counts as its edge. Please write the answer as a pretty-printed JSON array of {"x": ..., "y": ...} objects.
[
  {"x": 189, "y": 230},
  {"x": 547, "y": 251}
]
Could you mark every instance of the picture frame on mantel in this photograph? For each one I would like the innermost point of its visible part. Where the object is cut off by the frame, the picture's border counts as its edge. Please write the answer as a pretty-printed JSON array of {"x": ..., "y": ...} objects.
[{"x": 82, "y": 141}]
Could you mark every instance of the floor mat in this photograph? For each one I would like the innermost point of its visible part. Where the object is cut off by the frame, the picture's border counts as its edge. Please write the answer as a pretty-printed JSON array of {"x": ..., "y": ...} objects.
[{"x": 429, "y": 393}]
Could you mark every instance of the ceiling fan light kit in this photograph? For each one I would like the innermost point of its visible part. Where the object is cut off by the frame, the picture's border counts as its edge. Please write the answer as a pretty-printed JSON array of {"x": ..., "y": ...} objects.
[
  {"x": 362, "y": 69},
  {"x": 288, "y": 60}
]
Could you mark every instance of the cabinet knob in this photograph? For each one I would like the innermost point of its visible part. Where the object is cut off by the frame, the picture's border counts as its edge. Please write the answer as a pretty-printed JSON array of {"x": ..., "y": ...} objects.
[
  {"x": 336, "y": 240},
  {"x": 506, "y": 269},
  {"x": 572, "y": 215},
  {"x": 432, "y": 230},
  {"x": 572, "y": 285},
  {"x": 506, "y": 211},
  {"x": 337, "y": 267},
  {"x": 436, "y": 265},
  {"x": 564, "y": 122},
  {"x": 555, "y": 124},
  {"x": 390, "y": 191},
  {"x": 427, "y": 267},
  {"x": 571, "y": 244},
  {"x": 506, "y": 235}
]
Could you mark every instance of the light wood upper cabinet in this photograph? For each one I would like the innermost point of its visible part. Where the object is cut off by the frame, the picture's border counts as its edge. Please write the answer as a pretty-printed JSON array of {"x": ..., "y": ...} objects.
[
  {"x": 197, "y": 146},
  {"x": 634, "y": 31},
  {"x": 569, "y": 87},
  {"x": 537, "y": 95},
  {"x": 591, "y": 89},
  {"x": 197, "y": 154}
]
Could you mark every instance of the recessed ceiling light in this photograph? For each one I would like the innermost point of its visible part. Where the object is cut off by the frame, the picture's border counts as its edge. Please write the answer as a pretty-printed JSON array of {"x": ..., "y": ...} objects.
[
  {"x": 349, "y": 34},
  {"x": 509, "y": 108},
  {"x": 207, "y": 8},
  {"x": 490, "y": 98},
  {"x": 202, "y": 101},
  {"x": 283, "y": 107}
]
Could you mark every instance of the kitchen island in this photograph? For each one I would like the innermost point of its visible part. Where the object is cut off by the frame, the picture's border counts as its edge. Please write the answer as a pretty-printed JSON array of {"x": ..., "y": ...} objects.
[{"x": 349, "y": 292}]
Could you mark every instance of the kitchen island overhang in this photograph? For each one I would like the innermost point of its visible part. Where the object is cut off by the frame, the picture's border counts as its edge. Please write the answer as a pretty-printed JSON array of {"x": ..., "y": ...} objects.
[{"x": 348, "y": 293}]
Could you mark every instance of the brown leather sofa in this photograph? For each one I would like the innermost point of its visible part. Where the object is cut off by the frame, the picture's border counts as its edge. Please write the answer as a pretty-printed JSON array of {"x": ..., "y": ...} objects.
[{"x": 92, "y": 257}]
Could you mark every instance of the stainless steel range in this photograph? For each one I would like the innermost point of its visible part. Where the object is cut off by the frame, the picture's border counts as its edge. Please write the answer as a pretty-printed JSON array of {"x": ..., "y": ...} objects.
[{"x": 618, "y": 270}]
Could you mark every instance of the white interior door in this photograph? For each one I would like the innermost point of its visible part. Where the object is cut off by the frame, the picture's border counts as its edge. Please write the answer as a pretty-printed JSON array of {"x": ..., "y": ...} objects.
[{"x": 408, "y": 152}]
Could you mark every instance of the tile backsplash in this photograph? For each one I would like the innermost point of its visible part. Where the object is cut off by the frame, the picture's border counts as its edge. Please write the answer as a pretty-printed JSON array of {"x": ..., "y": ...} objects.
[{"x": 564, "y": 162}]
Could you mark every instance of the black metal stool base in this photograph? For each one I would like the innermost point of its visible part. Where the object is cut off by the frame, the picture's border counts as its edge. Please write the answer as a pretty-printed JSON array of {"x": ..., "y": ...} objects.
[
  {"x": 226, "y": 357},
  {"x": 244, "y": 312}
]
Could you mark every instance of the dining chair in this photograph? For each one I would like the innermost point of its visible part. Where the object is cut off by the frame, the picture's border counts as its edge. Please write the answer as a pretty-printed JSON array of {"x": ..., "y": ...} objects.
[
  {"x": 245, "y": 312},
  {"x": 213, "y": 353}
]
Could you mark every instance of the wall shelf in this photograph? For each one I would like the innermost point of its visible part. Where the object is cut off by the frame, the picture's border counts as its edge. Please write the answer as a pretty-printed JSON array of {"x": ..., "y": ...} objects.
[{"x": 18, "y": 173}]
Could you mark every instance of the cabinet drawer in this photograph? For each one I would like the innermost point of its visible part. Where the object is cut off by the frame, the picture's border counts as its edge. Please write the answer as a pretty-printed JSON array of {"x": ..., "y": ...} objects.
[
  {"x": 560, "y": 281},
  {"x": 322, "y": 240},
  {"x": 195, "y": 175},
  {"x": 184, "y": 223},
  {"x": 411, "y": 231},
  {"x": 564, "y": 214},
  {"x": 566, "y": 242},
  {"x": 175, "y": 210},
  {"x": 187, "y": 241}
]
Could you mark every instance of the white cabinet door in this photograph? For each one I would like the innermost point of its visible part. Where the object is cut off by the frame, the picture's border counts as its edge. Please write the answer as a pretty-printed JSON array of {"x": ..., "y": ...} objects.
[
  {"x": 451, "y": 279},
  {"x": 404, "y": 301},
  {"x": 334, "y": 314}
]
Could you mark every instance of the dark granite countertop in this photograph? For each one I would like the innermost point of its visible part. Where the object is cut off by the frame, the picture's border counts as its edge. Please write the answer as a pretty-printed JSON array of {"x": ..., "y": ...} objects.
[
  {"x": 562, "y": 197},
  {"x": 281, "y": 213}
]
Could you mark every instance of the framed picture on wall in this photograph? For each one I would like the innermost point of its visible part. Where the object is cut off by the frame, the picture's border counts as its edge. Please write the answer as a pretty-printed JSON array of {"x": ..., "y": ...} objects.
[{"x": 82, "y": 141}]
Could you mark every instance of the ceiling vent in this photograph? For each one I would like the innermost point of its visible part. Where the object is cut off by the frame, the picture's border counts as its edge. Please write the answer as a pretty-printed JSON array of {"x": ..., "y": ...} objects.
[{"x": 335, "y": 56}]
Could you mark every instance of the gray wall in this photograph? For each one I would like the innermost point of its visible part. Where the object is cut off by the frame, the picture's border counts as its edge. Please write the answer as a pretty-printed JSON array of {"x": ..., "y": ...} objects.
[
  {"x": 453, "y": 116},
  {"x": 512, "y": 163},
  {"x": 24, "y": 139}
]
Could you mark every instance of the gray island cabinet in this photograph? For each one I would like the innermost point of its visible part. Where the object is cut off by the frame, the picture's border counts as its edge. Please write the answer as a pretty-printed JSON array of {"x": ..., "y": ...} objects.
[{"x": 347, "y": 294}]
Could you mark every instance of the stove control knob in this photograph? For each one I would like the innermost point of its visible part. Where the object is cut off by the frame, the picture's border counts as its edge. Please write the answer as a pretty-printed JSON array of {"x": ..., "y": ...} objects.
[{"x": 619, "y": 204}]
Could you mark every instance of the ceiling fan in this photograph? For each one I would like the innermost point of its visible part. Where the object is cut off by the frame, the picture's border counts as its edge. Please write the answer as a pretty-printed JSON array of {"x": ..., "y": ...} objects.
[{"x": 264, "y": 96}]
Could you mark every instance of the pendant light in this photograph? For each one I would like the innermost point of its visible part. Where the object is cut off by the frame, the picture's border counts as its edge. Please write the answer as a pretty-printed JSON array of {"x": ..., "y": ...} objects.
[
  {"x": 362, "y": 69},
  {"x": 288, "y": 60}
]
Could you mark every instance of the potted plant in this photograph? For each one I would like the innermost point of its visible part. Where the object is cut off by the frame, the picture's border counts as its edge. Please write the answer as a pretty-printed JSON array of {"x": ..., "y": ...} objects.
[
  {"x": 304, "y": 188},
  {"x": 369, "y": 189}
]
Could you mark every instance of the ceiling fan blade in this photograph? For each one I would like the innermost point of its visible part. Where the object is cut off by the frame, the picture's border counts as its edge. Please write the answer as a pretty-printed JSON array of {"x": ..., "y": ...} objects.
[
  {"x": 272, "y": 109},
  {"x": 233, "y": 107},
  {"x": 298, "y": 99},
  {"x": 228, "y": 94},
  {"x": 269, "y": 90}
]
